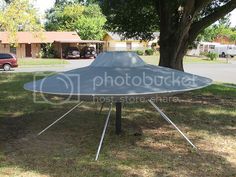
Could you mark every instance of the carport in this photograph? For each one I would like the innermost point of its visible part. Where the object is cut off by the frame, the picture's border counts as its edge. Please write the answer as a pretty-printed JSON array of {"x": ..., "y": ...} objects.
[{"x": 61, "y": 45}]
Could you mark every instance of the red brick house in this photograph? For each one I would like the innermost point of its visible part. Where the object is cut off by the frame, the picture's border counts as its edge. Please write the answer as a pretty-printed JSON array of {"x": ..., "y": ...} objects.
[
  {"x": 29, "y": 44},
  {"x": 224, "y": 40}
]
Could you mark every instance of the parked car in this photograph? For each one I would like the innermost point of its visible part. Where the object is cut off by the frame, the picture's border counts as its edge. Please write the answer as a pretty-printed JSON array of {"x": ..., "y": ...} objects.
[
  {"x": 8, "y": 61},
  {"x": 72, "y": 52},
  {"x": 88, "y": 52}
]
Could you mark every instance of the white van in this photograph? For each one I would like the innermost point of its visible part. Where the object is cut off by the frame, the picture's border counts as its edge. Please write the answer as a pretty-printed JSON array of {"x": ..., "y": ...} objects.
[
  {"x": 205, "y": 47},
  {"x": 222, "y": 50},
  {"x": 226, "y": 50}
]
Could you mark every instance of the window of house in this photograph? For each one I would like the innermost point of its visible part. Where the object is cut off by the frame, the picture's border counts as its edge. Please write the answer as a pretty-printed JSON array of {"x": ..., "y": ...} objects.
[
  {"x": 13, "y": 49},
  {"x": 128, "y": 45}
]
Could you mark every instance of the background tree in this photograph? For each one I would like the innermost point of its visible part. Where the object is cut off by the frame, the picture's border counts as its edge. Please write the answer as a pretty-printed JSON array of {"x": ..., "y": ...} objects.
[
  {"x": 221, "y": 28},
  {"x": 225, "y": 21},
  {"x": 179, "y": 22},
  {"x": 19, "y": 15},
  {"x": 87, "y": 20},
  {"x": 66, "y": 2},
  {"x": 214, "y": 31},
  {"x": 90, "y": 25},
  {"x": 5, "y": 1}
]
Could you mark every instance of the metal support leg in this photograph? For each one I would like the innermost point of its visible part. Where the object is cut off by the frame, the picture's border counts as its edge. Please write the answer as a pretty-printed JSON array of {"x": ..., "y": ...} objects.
[
  {"x": 101, "y": 108},
  {"x": 59, "y": 118},
  {"x": 168, "y": 120},
  {"x": 118, "y": 118},
  {"x": 103, "y": 133}
]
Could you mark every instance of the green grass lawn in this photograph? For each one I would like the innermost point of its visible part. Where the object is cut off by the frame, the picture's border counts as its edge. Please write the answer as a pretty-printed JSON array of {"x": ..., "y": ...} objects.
[
  {"x": 25, "y": 62},
  {"x": 149, "y": 59},
  {"x": 148, "y": 146},
  {"x": 154, "y": 60}
]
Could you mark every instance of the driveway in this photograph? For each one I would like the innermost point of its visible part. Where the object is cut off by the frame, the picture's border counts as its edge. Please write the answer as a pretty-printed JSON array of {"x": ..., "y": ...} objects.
[{"x": 217, "y": 72}]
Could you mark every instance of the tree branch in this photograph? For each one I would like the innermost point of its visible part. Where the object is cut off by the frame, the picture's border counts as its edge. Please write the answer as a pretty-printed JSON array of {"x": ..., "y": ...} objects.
[
  {"x": 157, "y": 6},
  {"x": 219, "y": 12},
  {"x": 200, "y": 4}
]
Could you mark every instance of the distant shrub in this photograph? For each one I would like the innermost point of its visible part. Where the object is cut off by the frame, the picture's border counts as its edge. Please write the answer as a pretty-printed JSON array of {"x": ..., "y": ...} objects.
[
  {"x": 139, "y": 52},
  {"x": 154, "y": 45},
  {"x": 212, "y": 55},
  {"x": 47, "y": 51},
  {"x": 149, "y": 51},
  {"x": 203, "y": 53}
]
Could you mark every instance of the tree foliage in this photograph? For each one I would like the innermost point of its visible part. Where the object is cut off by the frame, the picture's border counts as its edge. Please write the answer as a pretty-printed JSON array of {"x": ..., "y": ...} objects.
[
  {"x": 225, "y": 21},
  {"x": 179, "y": 22},
  {"x": 66, "y": 2},
  {"x": 134, "y": 19},
  {"x": 87, "y": 20},
  {"x": 139, "y": 18},
  {"x": 214, "y": 31},
  {"x": 221, "y": 28},
  {"x": 19, "y": 15}
]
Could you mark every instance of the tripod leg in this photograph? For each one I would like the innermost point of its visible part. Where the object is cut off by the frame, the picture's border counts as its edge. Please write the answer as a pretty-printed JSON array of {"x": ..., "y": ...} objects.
[
  {"x": 168, "y": 120},
  {"x": 59, "y": 118},
  {"x": 118, "y": 118},
  {"x": 101, "y": 108},
  {"x": 103, "y": 133}
]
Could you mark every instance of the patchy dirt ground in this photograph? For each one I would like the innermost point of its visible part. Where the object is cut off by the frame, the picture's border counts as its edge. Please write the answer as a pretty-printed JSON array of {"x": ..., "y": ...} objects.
[{"x": 148, "y": 146}]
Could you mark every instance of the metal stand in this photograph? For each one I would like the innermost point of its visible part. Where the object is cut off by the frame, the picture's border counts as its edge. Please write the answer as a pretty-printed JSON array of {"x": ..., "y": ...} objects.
[
  {"x": 101, "y": 108},
  {"x": 118, "y": 118},
  {"x": 59, "y": 119},
  {"x": 103, "y": 133},
  {"x": 168, "y": 120}
]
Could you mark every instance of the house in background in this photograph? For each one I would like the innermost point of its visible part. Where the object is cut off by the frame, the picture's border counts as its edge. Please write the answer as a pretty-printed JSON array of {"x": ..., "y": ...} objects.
[
  {"x": 224, "y": 40},
  {"x": 30, "y": 44},
  {"x": 154, "y": 42},
  {"x": 116, "y": 42}
]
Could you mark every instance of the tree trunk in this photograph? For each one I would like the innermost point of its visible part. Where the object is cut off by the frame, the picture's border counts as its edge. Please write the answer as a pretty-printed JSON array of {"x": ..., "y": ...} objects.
[
  {"x": 173, "y": 47},
  {"x": 170, "y": 56},
  {"x": 177, "y": 32},
  {"x": 174, "y": 35}
]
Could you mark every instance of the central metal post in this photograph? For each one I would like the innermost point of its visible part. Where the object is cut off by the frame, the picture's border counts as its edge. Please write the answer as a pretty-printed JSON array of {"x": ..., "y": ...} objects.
[{"x": 118, "y": 118}]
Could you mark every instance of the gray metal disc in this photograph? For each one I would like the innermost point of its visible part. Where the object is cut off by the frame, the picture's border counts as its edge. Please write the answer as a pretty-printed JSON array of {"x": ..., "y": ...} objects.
[{"x": 118, "y": 74}]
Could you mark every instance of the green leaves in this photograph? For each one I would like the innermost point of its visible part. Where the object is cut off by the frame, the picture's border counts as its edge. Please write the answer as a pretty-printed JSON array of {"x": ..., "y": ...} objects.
[
  {"x": 19, "y": 15},
  {"x": 133, "y": 18},
  {"x": 91, "y": 28},
  {"x": 210, "y": 33},
  {"x": 87, "y": 20}
]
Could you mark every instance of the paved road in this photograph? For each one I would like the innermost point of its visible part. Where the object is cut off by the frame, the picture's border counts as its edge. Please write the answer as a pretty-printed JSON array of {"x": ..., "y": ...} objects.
[{"x": 217, "y": 72}]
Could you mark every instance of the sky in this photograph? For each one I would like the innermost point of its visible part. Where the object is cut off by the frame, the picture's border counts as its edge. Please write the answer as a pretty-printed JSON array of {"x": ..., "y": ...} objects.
[{"x": 43, "y": 5}]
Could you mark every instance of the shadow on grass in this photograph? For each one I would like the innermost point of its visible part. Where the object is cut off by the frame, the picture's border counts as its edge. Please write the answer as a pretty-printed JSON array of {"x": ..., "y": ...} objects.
[{"x": 68, "y": 148}]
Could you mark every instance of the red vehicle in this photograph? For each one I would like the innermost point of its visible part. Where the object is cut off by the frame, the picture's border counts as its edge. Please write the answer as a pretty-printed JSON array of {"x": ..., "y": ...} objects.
[{"x": 8, "y": 61}]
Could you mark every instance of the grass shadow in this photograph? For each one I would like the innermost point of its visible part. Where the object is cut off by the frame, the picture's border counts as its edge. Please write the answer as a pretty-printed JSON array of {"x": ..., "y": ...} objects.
[{"x": 148, "y": 146}]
